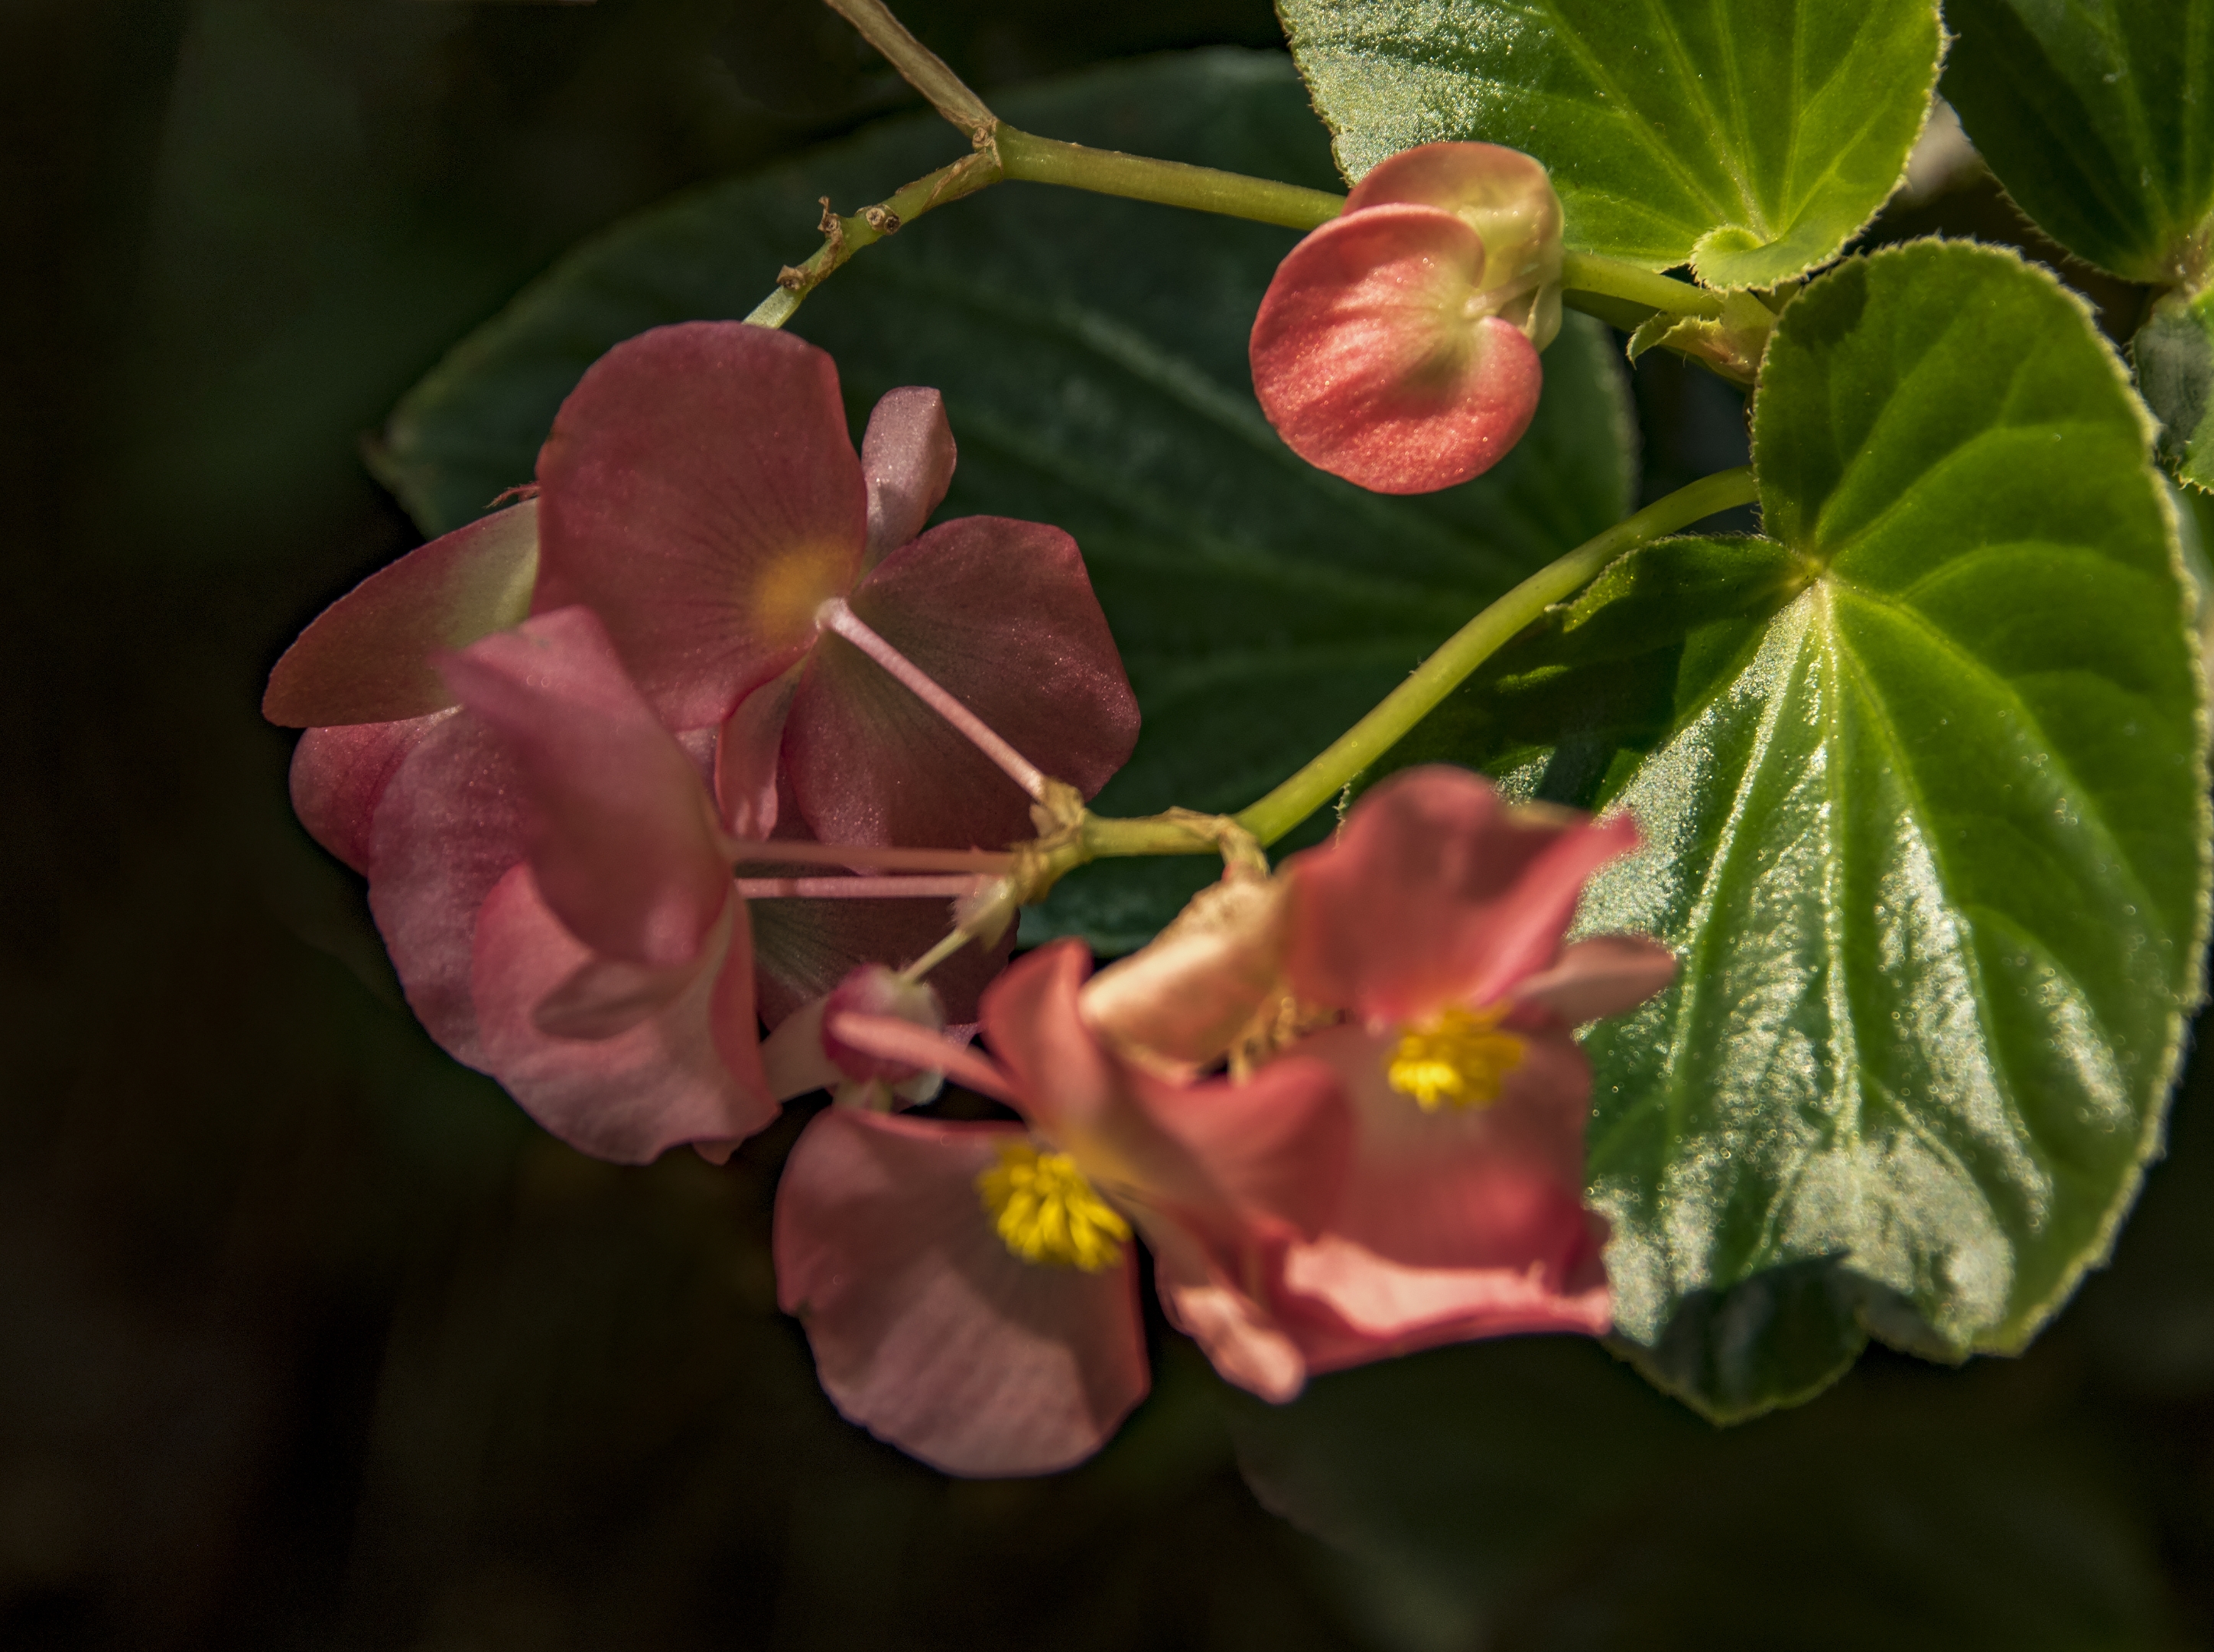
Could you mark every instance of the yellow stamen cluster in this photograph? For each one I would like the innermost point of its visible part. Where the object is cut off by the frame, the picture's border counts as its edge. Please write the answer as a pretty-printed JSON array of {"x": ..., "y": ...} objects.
[
  {"x": 1047, "y": 1213},
  {"x": 1457, "y": 1055}
]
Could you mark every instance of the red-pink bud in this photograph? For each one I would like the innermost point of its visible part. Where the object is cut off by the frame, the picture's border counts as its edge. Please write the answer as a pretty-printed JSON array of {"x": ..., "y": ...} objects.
[{"x": 1398, "y": 345}]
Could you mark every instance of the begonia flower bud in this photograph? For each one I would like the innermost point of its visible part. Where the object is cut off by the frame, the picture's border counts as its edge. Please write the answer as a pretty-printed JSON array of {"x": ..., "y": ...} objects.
[{"x": 1398, "y": 344}]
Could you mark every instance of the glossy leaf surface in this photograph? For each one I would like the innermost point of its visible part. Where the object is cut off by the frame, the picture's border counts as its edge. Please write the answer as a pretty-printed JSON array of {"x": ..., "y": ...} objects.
[
  {"x": 2098, "y": 118},
  {"x": 1921, "y": 774},
  {"x": 1091, "y": 352},
  {"x": 1751, "y": 137}
]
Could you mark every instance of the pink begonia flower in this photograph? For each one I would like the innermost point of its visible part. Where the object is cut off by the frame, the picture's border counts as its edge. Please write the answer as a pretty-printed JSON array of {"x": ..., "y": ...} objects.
[
  {"x": 1434, "y": 923},
  {"x": 728, "y": 442},
  {"x": 699, "y": 491},
  {"x": 969, "y": 1289},
  {"x": 1398, "y": 344},
  {"x": 548, "y": 873}
]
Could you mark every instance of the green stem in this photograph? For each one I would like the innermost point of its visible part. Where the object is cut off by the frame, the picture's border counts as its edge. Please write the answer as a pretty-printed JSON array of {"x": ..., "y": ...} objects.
[
  {"x": 844, "y": 236},
  {"x": 1476, "y": 642},
  {"x": 1611, "y": 277},
  {"x": 919, "y": 66},
  {"x": 1107, "y": 172}
]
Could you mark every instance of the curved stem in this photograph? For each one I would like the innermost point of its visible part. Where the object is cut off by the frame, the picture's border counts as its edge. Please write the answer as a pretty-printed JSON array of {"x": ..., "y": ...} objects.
[
  {"x": 1476, "y": 642},
  {"x": 1611, "y": 278},
  {"x": 1136, "y": 177},
  {"x": 919, "y": 66}
]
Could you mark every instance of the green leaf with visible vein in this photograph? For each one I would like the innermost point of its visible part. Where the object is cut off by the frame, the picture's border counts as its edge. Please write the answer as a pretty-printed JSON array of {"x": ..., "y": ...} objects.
[
  {"x": 1752, "y": 137},
  {"x": 2099, "y": 121},
  {"x": 1922, "y": 779},
  {"x": 1093, "y": 355}
]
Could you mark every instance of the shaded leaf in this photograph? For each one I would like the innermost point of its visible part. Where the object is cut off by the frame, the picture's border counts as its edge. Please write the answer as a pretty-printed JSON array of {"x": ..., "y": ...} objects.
[{"x": 2098, "y": 120}]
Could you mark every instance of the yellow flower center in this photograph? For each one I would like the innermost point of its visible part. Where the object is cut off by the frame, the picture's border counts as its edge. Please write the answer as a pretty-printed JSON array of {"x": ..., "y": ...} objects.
[
  {"x": 1457, "y": 1055},
  {"x": 1047, "y": 1213}
]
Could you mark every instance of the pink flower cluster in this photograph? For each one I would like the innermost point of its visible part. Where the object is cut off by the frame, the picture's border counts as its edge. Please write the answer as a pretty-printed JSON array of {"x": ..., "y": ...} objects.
[
  {"x": 1340, "y": 1104},
  {"x": 1398, "y": 1161},
  {"x": 548, "y": 808}
]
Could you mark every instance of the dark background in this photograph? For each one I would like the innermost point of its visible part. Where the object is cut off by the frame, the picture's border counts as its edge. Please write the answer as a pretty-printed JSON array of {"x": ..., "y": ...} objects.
[{"x": 307, "y": 1337}]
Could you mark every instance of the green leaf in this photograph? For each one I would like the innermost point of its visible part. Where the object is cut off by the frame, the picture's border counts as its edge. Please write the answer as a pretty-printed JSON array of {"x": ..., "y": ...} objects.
[
  {"x": 2099, "y": 121},
  {"x": 2174, "y": 357},
  {"x": 1922, "y": 779},
  {"x": 1752, "y": 138},
  {"x": 1093, "y": 355},
  {"x": 1530, "y": 1494}
]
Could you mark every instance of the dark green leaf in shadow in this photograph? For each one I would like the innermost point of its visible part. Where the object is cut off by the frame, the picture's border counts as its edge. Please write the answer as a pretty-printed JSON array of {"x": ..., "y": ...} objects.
[
  {"x": 1749, "y": 138},
  {"x": 1533, "y": 1495},
  {"x": 1093, "y": 356},
  {"x": 2098, "y": 120}
]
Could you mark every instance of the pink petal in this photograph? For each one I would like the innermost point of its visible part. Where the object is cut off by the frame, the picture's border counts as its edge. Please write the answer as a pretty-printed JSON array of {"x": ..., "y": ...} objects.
[
  {"x": 1454, "y": 1224},
  {"x": 624, "y": 844},
  {"x": 1000, "y": 614},
  {"x": 1503, "y": 194},
  {"x": 875, "y": 991},
  {"x": 927, "y": 1331},
  {"x": 701, "y": 494},
  {"x": 804, "y": 948},
  {"x": 1435, "y": 892},
  {"x": 1240, "y": 1335},
  {"x": 451, "y": 825},
  {"x": 906, "y": 458},
  {"x": 366, "y": 658},
  {"x": 1219, "y": 1156},
  {"x": 1602, "y": 976},
  {"x": 338, "y": 775},
  {"x": 746, "y": 754},
  {"x": 1369, "y": 363},
  {"x": 1188, "y": 994},
  {"x": 793, "y": 1058},
  {"x": 688, "y": 1072}
]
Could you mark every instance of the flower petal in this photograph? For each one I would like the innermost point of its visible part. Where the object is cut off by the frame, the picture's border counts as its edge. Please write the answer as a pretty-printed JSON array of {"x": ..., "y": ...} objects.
[
  {"x": 366, "y": 658},
  {"x": 624, "y": 841},
  {"x": 449, "y": 826},
  {"x": 746, "y": 755},
  {"x": 926, "y": 1330},
  {"x": 701, "y": 494},
  {"x": 1368, "y": 361},
  {"x": 1240, "y": 1336},
  {"x": 1604, "y": 974},
  {"x": 1220, "y": 1156},
  {"x": 1189, "y": 994},
  {"x": 1503, "y": 194},
  {"x": 1454, "y": 1224},
  {"x": 687, "y": 1071},
  {"x": 906, "y": 458},
  {"x": 338, "y": 775},
  {"x": 1436, "y": 892},
  {"x": 1001, "y": 614}
]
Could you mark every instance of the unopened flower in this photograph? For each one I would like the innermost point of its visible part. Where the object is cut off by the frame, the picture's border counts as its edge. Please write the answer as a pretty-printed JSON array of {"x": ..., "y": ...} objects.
[
  {"x": 969, "y": 1289},
  {"x": 1397, "y": 344}
]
